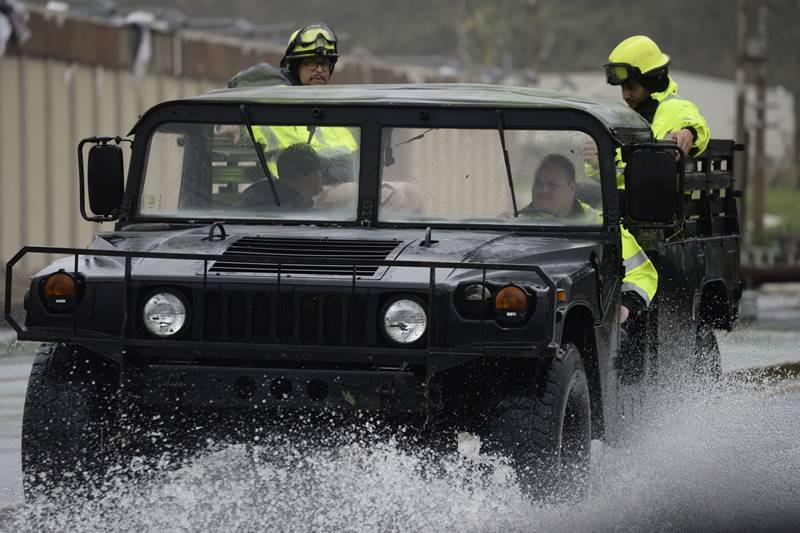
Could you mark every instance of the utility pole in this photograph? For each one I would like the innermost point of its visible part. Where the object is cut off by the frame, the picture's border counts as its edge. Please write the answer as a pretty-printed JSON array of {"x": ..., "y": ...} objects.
[
  {"x": 760, "y": 163},
  {"x": 797, "y": 135},
  {"x": 462, "y": 50},
  {"x": 740, "y": 168}
]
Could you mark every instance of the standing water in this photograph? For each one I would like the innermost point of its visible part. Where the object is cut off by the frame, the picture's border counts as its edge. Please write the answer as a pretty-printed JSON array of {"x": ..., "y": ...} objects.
[{"x": 722, "y": 459}]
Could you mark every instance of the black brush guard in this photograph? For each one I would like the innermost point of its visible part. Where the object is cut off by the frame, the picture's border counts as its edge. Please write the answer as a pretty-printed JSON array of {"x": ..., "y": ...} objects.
[
  {"x": 123, "y": 339},
  {"x": 372, "y": 378}
]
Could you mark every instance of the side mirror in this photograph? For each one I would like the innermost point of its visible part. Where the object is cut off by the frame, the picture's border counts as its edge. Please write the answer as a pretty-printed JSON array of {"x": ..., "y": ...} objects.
[
  {"x": 105, "y": 178},
  {"x": 653, "y": 185}
]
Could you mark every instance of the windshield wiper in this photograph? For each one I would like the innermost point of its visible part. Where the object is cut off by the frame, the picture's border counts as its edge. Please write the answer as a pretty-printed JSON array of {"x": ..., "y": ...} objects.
[
  {"x": 259, "y": 153},
  {"x": 507, "y": 161}
]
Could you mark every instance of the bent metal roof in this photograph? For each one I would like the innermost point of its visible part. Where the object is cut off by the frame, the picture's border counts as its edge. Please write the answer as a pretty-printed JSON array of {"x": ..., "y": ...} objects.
[{"x": 615, "y": 116}]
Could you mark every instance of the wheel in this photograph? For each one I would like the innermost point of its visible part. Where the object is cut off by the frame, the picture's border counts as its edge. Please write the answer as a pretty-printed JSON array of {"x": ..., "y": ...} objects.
[
  {"x": 544, "y": 427},
  {"x": 68, "y": 421},
  {"x": 707, "y": 359}
]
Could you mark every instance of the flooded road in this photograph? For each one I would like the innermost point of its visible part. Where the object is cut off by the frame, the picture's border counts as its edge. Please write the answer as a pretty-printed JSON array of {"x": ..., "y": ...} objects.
[{"x": 726, "y": 459}]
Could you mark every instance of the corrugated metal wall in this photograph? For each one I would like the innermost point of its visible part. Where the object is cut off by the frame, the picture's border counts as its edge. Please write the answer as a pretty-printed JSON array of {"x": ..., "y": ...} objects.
[
  {"x": 73, "y": 79},
  {"x": 46, "y": 107}
]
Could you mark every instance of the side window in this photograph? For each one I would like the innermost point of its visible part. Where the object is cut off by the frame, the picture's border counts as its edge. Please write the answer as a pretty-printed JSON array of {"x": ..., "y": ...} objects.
[{"x": 164, "y": 170}]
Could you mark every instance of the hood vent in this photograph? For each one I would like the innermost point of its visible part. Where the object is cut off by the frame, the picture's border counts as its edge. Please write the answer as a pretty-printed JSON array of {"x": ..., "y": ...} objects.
[{"x": 316, "y": 250}]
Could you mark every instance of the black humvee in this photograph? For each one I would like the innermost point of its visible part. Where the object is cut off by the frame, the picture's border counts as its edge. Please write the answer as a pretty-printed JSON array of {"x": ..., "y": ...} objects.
[{"x": 405, "y": 266}]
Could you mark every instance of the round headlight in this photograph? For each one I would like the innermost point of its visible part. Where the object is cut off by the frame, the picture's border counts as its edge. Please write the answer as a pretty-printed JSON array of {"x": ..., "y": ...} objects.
[
  {"x": 404, "y": 321},
  {"x": 477, "y": 293},
  {"x": 474, "y": 301},
  {"x": 164, "y": 314}
]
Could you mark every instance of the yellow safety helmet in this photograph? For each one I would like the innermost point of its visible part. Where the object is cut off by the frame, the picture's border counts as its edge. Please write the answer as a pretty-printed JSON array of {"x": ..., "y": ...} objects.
[
  {"x": 313, "y": 40},
  {"x": 633, "y": 58}
]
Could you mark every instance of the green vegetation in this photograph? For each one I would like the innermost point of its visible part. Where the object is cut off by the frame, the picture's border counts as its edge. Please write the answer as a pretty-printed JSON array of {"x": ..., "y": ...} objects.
[
  {"x": 781, "y": 214},
  {"x": 784, "y": 202}
]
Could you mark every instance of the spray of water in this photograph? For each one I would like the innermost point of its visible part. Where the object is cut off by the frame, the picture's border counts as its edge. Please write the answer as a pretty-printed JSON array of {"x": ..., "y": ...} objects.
[{"x": 725, "y": 458}]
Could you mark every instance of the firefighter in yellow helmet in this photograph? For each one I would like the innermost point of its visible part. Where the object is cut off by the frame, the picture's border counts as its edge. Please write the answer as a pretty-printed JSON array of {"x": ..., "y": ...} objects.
[
  {"x": 310, "y": 58},
  {"x": 311, "y": 55},
  {"x": 642, "y": 69}
]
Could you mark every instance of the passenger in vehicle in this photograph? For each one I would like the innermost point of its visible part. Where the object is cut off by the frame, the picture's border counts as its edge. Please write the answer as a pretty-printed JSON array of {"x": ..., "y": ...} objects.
[
  {"x": 554, "y": 191},
  {"x": 299, "y": 168},
  {"x": 309, "y": 60},
  {"x": 639, "y": 66},
  {"x": 641, "y": 69},
  {"x": 554, "y": 194}
]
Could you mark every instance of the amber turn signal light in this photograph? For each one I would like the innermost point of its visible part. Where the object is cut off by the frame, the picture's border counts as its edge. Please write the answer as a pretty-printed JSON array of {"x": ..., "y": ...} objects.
[
  {"x": 59, "y": 285},
  {"x": 61, "y": 291},
  {"x": 511, "y": 304}
]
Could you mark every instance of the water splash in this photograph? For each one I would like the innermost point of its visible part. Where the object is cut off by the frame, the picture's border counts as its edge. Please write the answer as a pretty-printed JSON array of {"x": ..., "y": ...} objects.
[{"x": 725, "y": 459}]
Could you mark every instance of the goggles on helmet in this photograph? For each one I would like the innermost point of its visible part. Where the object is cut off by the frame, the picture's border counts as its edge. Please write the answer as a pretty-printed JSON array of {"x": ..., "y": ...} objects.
[
  {"x": 619, "y": 73},
  {"x": 312, "y": 33},
  {"x": 313, "y": 40}
]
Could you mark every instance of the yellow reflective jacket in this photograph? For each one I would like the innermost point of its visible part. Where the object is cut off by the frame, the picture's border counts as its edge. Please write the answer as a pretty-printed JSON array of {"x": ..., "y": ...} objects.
[
  {"x": 327, "y": 141},
  {"x": 641, "y": 277},
  {"x": 672, "y": 114},
  {"x": 675, "y": 113}
]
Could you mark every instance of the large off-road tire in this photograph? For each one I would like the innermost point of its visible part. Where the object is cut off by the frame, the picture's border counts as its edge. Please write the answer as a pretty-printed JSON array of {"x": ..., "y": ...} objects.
[
  {"x": 544, "y": 427},
  {"x": 707, "y": 358},
  {"x": 69, "y": 420}
]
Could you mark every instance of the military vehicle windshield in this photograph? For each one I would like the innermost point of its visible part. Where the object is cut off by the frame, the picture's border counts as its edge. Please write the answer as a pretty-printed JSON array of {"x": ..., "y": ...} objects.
[
  {"x": 460, "y": 175},
  {"x": 213, "y": 171}
]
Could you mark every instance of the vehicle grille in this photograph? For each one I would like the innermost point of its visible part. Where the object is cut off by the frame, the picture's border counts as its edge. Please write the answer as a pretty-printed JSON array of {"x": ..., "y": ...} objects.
[
  {"x": 286, "y": 318},
  {"x": 317, "y": 251}
]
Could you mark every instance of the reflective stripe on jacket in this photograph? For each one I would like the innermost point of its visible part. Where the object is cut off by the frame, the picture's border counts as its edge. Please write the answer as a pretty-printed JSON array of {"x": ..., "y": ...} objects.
[{"x": 640, "y": 274}]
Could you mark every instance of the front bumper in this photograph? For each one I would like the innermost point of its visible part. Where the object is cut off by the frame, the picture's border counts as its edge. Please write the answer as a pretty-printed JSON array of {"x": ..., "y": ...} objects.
[{"x": 207, "y": 387}]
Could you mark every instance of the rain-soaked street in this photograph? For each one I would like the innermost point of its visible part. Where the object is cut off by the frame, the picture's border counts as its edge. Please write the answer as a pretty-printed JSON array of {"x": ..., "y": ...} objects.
[{"x": 722, "y": 459}]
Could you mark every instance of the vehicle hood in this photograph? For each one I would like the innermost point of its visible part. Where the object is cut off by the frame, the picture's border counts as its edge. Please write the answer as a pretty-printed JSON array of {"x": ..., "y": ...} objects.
[{"x": 555, "y": 254}]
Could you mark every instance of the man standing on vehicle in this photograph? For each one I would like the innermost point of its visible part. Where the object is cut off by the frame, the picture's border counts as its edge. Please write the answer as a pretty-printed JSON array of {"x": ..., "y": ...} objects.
[
  {"x": 642, "y": 69},
  {"x": 639, "y": 66},
  {"x": 309, "y": 59}
]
